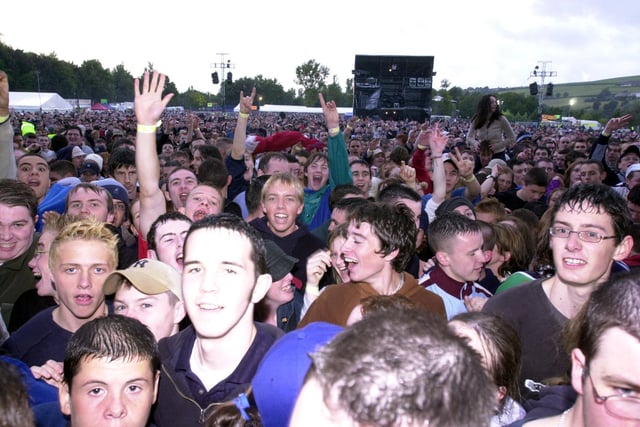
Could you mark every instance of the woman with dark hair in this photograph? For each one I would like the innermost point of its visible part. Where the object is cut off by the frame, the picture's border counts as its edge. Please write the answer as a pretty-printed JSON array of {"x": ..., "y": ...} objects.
[{"x": 489, "y": 124}]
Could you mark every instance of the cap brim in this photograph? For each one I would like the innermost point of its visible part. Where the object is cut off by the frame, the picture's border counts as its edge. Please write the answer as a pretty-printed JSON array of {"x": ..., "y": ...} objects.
[{"x": 143, "y": 282}]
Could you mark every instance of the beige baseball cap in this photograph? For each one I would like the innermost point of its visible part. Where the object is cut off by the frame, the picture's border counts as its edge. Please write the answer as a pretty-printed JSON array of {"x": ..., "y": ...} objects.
[{"x": 149, "y": 276}]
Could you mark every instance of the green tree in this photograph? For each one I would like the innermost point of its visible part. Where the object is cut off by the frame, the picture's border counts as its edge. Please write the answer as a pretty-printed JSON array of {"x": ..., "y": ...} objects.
[
  {"x": 609, "y": 109},
  {"x": 311, "y": 76},
  {"x": 95, "y": 81},
  {"x": 334, "y": 92},
  {"x": 122, "y": 84}
]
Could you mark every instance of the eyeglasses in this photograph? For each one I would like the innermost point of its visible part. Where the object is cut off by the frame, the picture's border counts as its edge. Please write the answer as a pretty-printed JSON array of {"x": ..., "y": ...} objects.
[
  {"x": 585, "y": 236},
  {"x": 621, "y": 405}
]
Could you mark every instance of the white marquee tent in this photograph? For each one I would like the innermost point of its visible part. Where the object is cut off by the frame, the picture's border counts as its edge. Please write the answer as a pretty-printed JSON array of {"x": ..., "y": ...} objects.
[
  {"x": 34, "y": 101},
  {"x": 272, "y": 108}
]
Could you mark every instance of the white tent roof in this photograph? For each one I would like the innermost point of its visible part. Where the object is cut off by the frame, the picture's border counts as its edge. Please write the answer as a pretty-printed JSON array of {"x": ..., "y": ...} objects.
[
  {"x": 34, "y": 101},
  {"x": 271, "y": 108}
]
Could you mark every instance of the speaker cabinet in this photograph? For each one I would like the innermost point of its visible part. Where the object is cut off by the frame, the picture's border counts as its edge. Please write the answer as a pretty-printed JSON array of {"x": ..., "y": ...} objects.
[{"x": 393, "y": 87}]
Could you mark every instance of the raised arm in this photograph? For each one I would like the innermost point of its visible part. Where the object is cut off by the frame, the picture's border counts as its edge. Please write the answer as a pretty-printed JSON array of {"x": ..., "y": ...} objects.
[
  {"x": 465, "y": 169},
  {"x": 149, "y": 106},
  {"x": 437, "y": 142},
  {"x": 240, "y": 134},
  {"x": 339, "y": 171},
  {"x": 8, "y": 167},
  {"x": 418, "y": 158},
  {"x": 489, "y": 182}
]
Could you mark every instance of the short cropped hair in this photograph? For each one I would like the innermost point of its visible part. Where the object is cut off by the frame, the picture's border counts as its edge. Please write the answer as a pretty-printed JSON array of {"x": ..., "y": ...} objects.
[
  {"x": 63, "y": 168},
  {"x": 287, "y": 179},
  {"x": 612, "y": 305},
  {"x": 393, "y": 225},
  {"x": 536, "y": 176},
  {"x": 403, "y": 367},
  {"x": 447, "y": 227},
  {"x": 180, "y": 168},
  {"x": 266, "y": 158},
  {"x": 491, "y": 205},
  {"x": 100, "y": 191},
  {"x": 253, "y": 195},
  {"x": 634, "y": 195},
  {"x": 597, "y": 198},
  {"x": 390, "y": 194},
  {"x": 86, "y": 230},
  {"x": 112, "y": 337},
  {"x": 163, "y": 219},
  {"x": 362, "y": 162},
  {"x": 214, "y": 172},
  {"x": 343, "y": 191},
  {"x": 14, "y": 193},
  {"x": 208, "y": 151},
  {"x": 233, "y": 223},
  {"x": 350, "y": 204}
]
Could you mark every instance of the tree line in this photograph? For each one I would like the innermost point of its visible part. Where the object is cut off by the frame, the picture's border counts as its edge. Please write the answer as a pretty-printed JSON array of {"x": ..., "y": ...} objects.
[{"x": 31, "y": 72}]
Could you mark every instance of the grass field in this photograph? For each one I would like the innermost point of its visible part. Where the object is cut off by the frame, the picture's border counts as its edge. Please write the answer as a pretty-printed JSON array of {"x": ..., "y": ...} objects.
[{"x": 582, "y": 95}]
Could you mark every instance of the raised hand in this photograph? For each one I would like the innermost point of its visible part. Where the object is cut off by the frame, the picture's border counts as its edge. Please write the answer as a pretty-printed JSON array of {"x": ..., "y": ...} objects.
[
  {"x": 4, "y": 94},
  {"x": 317, "y": 264},
  {"x": 465, "y": 167},
  {"x": 246, "y": 102},
  {"x": 148, "y": 101},
  {"x": 617, "y": 123},
  {"x": 330, "y": 111}
]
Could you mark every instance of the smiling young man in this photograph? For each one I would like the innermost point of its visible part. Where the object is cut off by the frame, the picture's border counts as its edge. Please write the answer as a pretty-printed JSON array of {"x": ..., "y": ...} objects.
[
  {"x": 80, "y": 258},
  {"x": 18, "y": 214},
  {"x": 458, "y": 245},
  {"x": 590, "y": 229},
  {"x": 216, "y": 357},
  {"x": 380, "y": 242},
  {"x": 282, "y": 202}
]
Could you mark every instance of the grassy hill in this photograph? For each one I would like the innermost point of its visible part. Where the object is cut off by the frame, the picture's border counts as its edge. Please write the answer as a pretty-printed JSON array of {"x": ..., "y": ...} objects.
[{"x": 581, "y": 96}]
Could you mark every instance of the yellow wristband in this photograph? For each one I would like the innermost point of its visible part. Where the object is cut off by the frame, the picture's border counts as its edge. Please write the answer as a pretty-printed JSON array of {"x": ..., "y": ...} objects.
[
  {"x": 148, "y": 128},
  {"x": 469, "y": 179},
  {"x": 243, "y": 115},
  {"x": 334, "y": 131},
  {"x": 4, "y": 118}
]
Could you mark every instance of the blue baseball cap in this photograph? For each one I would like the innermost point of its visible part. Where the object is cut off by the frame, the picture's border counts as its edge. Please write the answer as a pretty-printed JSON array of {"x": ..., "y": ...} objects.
[{"x": 284, "y": 368}]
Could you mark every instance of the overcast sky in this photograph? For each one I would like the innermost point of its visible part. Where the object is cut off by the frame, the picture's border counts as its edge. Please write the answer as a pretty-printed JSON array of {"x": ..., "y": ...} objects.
[{"x": 475, "y": 44}]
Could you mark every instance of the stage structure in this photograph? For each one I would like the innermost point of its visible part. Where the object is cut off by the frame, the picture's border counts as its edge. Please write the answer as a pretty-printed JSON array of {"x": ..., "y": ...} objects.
[{"x": 393, "y": 87}]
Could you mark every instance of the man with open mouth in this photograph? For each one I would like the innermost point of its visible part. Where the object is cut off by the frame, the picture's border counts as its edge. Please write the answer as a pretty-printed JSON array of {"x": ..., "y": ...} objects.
[{"x": 380, "y": 241}]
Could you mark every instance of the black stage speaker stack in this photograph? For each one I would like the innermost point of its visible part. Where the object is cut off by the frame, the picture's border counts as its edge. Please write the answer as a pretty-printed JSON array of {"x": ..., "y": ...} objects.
[{"x": 393, "y": 87}]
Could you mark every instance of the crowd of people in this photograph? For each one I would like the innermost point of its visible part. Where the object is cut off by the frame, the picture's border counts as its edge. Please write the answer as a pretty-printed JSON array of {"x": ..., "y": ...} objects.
[{"x": 169, "y": 268}]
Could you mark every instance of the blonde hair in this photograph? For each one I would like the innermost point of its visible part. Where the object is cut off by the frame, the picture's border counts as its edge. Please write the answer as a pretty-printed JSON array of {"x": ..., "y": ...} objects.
[
  {"x": 87, "y": 230},
  {"x": 286, "y": 179}
]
